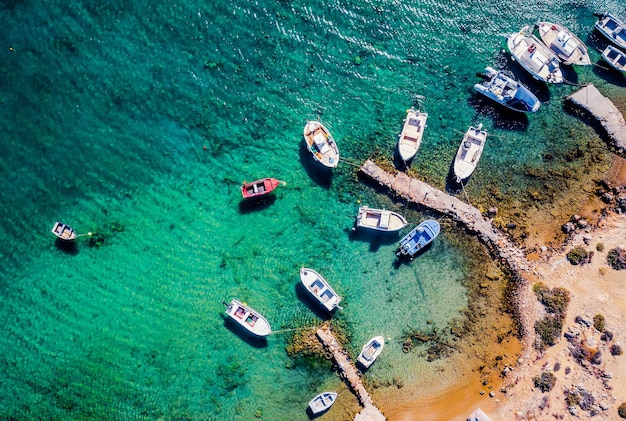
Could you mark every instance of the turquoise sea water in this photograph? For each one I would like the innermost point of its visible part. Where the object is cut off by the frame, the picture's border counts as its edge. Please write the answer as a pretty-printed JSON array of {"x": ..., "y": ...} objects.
[{"x": 139, "y": 120}]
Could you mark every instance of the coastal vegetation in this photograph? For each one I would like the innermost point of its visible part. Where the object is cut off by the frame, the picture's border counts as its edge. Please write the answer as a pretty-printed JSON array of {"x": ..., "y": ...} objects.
[
  {"x": 545, "y": 382},
  {"x": 621, "y": 411},
  {"x": 555, "y": 302},
  {"x": 616, "y": 258},
  {"x": 578, "y": 255},
  {"x": 598, "y": 322}
]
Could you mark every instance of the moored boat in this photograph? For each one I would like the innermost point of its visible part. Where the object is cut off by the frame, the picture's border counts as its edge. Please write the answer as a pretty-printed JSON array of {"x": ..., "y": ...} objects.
[
  {"x": 469, "y": 152},
  {"x": 419, "y": 237},
  {"x": 248, "y": 318},
  {"x": 506, "y": 91},
  {"x": 370, "y": 351},
  {"x": 259, "y": 187},
  {"x": 63, "y": 231},
  {"x": 567, "y": 46},
  {"x": 321, "y": 144},
  {"x": 535, "y": 57},
  {"x": 615, "y": 58},
  {"x": 379, "y": 220},
  {"x": 319, "y": 289},
  {"x": 612, "y": 29},
  {"x": 322, "y": 402},
  {"x": 412, "y": 132}
]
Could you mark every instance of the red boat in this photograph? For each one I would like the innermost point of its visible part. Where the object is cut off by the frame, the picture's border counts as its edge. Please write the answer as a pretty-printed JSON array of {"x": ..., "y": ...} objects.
[{"x": 259, "y": 188}]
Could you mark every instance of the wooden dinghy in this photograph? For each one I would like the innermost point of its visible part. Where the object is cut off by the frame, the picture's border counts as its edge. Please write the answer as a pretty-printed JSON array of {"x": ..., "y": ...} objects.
[
  {"x": 371, "y": 350},
  {"x": 322, "y": 402},
  {"x": 469, "y": 152},
  {"x": 412, "y": 133},
  {"x": 259, "y": 188},
  {"x": 379, "y": 220}
]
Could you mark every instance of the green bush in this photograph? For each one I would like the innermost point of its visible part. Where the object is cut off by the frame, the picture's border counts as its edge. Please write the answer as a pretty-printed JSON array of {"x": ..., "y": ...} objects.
[
  {"x": 578, "y": 255},
  {"x": 549, "y": 330},
  {"x": 545, "y": 382},
  {"x": 554, "y": 300},
  {"x": 599, "y": 246},
  {"x": 621, "y": 411},
  {"x": 616, "y": 258},
  {"x": 598, "y": 322}
]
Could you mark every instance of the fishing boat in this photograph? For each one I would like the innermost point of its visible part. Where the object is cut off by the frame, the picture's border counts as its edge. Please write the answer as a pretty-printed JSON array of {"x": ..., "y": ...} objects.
[
  {"x": 379, "y": 220},
  {"x": 534, "y": 57},
  {"x": 371, "y": 350},
  {"x": 567, "y": 46},
  {"x": 319, "y": 289},
  {"x": 469, "y": 152},
  {"x": 615, "y": 58},
  {"x": 412, "y": 132},
  {"x": 612, "y": 29},
  {"x": 322, "y": 402},
  {"x": 419, "y": 237},
  {"x": 506, "y": 91},
  {"x": 247, "y": 318},
  {"x": 321, "y": 144},
  {"x": 259, "y": 188},
  {"x": 63, "y": 231}
]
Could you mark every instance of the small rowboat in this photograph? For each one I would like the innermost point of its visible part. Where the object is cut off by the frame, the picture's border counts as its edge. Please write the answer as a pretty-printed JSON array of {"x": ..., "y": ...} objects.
[
  {"x": 247, "y": 318},
  {"x": 259, "y": 188},
  {"x": 64, "y": 232},
  {"x": 379, "y": 220},
  {"x": 371, "y": 350},
  {"x": 321, "y": 144},
  {"x": 412, "y": 133},
  {"x": 322, "y": 402},
  {"x": 319, "y": 289}
]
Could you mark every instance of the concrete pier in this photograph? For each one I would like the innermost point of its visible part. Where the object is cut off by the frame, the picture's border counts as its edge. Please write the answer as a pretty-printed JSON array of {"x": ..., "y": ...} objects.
[
  {"x": 498, "y": 243},
  {"x": 350, "y": 374},
  {"x": 602, "y": 109}
]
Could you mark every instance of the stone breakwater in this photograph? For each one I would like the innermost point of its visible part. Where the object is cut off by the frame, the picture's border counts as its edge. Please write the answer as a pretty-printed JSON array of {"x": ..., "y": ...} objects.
[
  {"x": 498, "y": 243},
  {"x": 350, "y": 374},
  {"x": 591, "y": 101}
]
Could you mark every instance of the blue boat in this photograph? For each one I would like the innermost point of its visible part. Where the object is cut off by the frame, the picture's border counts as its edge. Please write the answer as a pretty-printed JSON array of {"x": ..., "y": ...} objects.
[{"x": 421, "y": 236}]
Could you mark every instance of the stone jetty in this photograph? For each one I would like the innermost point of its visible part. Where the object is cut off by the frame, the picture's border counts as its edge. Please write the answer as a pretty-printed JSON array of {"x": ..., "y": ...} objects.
[
  {"x": 498, "y": 243},
  {"x": 350, "y": 374},
  {"x": 602, "y": 109}
]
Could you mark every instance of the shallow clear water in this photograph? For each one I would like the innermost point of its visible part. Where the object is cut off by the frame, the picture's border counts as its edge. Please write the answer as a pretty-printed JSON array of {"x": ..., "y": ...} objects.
[{"x": 139, "y": 121}]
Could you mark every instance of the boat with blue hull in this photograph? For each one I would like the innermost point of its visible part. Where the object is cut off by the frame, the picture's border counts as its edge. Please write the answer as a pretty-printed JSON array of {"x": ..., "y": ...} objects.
[{"x": 421, "y": 236}]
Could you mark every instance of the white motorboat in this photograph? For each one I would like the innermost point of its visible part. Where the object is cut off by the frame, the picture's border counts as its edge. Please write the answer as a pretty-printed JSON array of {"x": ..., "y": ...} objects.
[
  {"x": 321, "y": 144},
  {"x": 379, "y": 220},
  {"x": 248, "y": 318},
  {"x": 567, "y": 46},
  {"x": 322, "y": 402},
  {"x": 469, "y": 152},
  {"x": 412, "y": 133},
  {"x": 535, "y": 57},
  {"x": 371, "y": 350},
  {"x": 319, "y": 289},
  {"x": 506, "y": 91}
]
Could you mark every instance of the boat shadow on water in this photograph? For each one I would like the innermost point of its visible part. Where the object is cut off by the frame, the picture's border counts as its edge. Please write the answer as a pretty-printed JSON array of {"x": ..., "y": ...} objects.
[
  {"x": 303, "y": 295},
  {"x": 67, "y": 247},
  {"x": 501, "y": 117},
  {"x": 374, "y": 238},
  {"x": 256, "y": 204},
  {"x": 253, "y": 341},
  {"x": 321, "y": 175}
]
